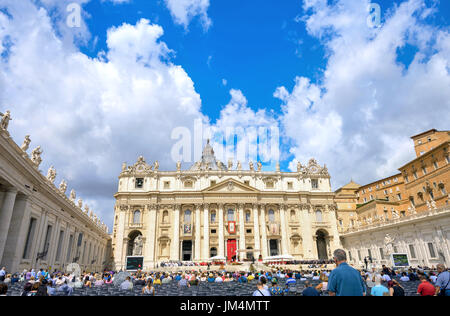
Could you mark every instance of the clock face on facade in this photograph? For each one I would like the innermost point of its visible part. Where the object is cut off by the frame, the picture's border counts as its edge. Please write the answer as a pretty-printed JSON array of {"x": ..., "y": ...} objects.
[
  {"x": 140, "y": 168},
  {"x": 314, "y": 169}
]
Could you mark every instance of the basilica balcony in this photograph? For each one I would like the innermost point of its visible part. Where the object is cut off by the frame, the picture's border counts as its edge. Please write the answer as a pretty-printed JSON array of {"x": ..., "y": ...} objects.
[
  {"x": 136, "y": 226},
  {"x": 321, "y": 225}
]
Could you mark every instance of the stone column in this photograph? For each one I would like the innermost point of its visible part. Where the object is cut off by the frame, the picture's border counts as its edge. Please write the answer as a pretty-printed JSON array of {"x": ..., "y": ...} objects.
[
  {"x": 256, "y": 232},
  {"x": 13, "y": 253},
  {"x": 336, "y": 244},
  {"x": 198, "y": 237},
  {"x": 284, "y": 231},
  {"x": 242, "y": 246},
  {"x": 39, "y": 241},
  {"x": 6, "y": 213},
  {"x": 221, "y": 252},
  {"x": 264, "y": 251},
  {"x": 119, "y": 256},
  {"x": 308, "y": 242},
  {"x": 205, "y": 254},
  {"x": 175, "y": 251},
  {"x": 150, "y": 240}
]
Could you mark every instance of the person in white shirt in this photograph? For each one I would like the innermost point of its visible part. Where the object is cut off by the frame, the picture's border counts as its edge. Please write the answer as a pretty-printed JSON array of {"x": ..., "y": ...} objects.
[
  {"x": 385, "y": 277},
  {"x": 404, "y": 277},
  {"x": 219, "y": 279}
]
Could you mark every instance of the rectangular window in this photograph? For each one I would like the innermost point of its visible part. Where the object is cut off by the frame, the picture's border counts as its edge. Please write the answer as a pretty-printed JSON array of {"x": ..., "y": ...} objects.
[
  {"x": 249, "y": 231},
  {"x": 399, "y": 197},
  {"x": 315, "y": 183},
  {"x": 431, "y": 249},
  {"x": 69, "y": 249},
  {"x": 213, "y": 231},
  {"x": 139, "y": 183},
  {"x": 47, "y": 241},
  {"x": 60, "y": 241},
  {"x": 359, "y": 255},
  {"x": 415, "y": 175},
  {"x": 424, "y": 170},
  {"x": 412, "y": 251},
  {"x": 30, "y": 238},
  {"x": 350, "y": 256},
  {"x": 435, "y": 165}
]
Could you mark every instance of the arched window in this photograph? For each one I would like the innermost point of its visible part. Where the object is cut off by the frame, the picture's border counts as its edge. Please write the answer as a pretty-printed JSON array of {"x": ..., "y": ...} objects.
[
  {"x": 137, "y": 217},
  {"x": 213, "y": 216},
  {"x": 230, "y": 216},
  {"x": 165, "y": 217},
  {"x": 187, "y": 216},
  {"x": 319, "y": 216},
  {"x": 271, "y": 216},
  {"x": 247, "y": 216}
]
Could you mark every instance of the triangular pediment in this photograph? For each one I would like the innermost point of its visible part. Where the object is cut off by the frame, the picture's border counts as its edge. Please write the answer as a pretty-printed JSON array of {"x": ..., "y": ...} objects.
[{"x": 230, "y": 186}]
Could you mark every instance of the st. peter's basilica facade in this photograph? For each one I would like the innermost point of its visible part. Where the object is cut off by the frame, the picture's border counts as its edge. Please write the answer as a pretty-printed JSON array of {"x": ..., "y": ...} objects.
[{"x": 218, "y": 210}]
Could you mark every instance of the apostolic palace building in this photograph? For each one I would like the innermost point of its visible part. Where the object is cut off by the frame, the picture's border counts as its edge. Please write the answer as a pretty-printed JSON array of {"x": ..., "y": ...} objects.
[{"x": 220, "y": 210}]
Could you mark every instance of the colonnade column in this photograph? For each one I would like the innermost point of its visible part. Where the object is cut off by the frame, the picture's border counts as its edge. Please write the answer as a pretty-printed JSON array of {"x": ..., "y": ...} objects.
[
  {"x": 308, "y": 242},
  {"x": 263, "y": 232},
  {"x": 175, "y": 251},
  {"x": 256, "y": 232},
  {"x": 119, "y": 257},
  {"x": 333, "y": 220},
  {"x": 221, "y": 233},
  {"x": 197, "y": 233},
  {"x": 284, "y": 234},
  {"x": 151, "y": 236},
  {"x": 241, "y": 232},
  {"x": 5, "y": 217},
  {"x": 205, "y": 231}
]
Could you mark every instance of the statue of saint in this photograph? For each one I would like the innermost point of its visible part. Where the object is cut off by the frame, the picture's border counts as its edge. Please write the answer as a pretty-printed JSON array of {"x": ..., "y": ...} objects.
[
  {"x": 230, "y": 164},
  {"x": 26, "y": 143},
  {"x": 36, "y": 156},
  {"x": 179, "y": 166},
  {"x": 4, "y": 123},
  {"x": 299, "y": 167},
  {"x": 51, "y": 174},
  {"x": 138, "y": 244},
  {"x": 429, "y": 205},
  {"x": 80, "y": 203},
  {"x": 388, "y": 244},
  {"x": 259, "y": 166},
  {"x": 63, "y": 186},
  {"x": 252, "y": 167},
  {"x": 124, "y": 167},
  {"x": 86, "y": 209},
  {"x": 239, "y": 166},
  {"x": 433, "y": 204},
  {"x": 73, "y": 195},
  {"x": 156, "y": 165}
]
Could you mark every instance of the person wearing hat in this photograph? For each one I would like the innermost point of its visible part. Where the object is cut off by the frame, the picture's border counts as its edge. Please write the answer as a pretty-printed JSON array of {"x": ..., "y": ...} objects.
[
  {"x": 211, "y": 278},
  {"x": 275, "y": 289}
]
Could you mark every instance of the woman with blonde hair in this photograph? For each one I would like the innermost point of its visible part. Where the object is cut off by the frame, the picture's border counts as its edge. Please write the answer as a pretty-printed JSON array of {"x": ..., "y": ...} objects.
[{"x": 323, "y": 285}]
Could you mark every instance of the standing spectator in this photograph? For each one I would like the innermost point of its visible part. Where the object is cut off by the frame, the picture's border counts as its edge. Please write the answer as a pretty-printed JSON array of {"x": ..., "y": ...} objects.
[
  {"x": 345, "y": 280},
  {"x": 127, "y": 284},
  {"x": 309, "y": 290},
  {"x": 379, "y": 289},
  {"x": 443, "y": 281},
  {"x": 3, "y": 289},
  {"x": 395, "y": 289},
  {"x": 425, "y": 288},
  {"x": 2, "y": 274}
]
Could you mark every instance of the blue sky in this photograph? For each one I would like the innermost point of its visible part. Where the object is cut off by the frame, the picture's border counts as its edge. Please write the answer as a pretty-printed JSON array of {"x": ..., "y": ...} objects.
[{"x": 340, "y": 91}]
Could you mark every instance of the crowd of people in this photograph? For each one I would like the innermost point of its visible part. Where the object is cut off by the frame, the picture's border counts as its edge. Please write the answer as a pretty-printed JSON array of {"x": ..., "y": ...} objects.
[{"x": 344, "y": 280}]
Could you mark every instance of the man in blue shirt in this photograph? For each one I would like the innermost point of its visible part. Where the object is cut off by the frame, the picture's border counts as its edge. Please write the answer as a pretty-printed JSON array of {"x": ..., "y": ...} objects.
[
  {"x": 345, "y": 280},
  {"x": 443, "y": 280},
  {"x": 309, "y": 290},
  {"x": 290, "y": 279}
]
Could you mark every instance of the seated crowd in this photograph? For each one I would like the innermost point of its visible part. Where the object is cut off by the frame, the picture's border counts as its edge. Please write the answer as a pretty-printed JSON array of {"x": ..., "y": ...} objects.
[{"x": 342, "y": 281}]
